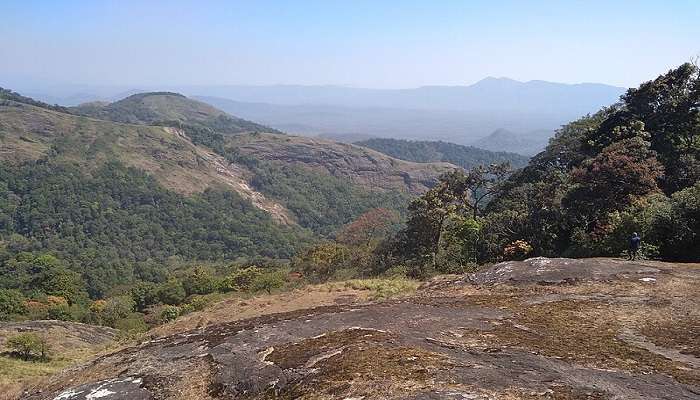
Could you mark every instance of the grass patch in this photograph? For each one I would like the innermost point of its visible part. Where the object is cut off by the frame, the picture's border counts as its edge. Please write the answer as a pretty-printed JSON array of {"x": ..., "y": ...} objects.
[
  {"x": 17, "y": 374},
  {"x": 384, "y": 288}
]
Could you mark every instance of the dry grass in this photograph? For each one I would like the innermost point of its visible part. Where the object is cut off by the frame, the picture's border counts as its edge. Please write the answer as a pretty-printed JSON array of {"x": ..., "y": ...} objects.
[
  {"x": 384, "y": 288},
  {"x": 583, "y": 323},
  {"x": 238, "y": 307}
]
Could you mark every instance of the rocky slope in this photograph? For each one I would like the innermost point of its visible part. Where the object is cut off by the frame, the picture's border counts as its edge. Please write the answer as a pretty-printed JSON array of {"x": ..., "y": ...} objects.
[
  {"x": 360, "y": 165},
  {"x": 539, "y": 329},
  {"x": 29, "y": 132}
]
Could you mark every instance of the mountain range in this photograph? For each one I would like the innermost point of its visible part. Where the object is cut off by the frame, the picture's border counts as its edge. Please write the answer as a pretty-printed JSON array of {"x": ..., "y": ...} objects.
[{"x": 460, "y": 114}]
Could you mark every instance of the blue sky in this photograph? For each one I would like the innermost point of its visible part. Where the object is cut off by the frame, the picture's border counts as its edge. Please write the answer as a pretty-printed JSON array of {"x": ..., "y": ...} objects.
[{"x": 387, "y": 44}]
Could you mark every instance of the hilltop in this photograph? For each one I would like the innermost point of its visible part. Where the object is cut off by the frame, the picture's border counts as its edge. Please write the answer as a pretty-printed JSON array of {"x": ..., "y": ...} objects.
[{"x": 161, "y": 108}]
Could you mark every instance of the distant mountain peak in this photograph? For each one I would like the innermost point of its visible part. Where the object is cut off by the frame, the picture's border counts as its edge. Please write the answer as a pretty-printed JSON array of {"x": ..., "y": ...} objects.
[{"x": 492, "y": 80}]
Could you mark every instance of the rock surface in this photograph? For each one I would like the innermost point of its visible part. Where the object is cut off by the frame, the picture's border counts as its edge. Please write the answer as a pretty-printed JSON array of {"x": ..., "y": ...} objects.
[{"x": 595, "y": 331}]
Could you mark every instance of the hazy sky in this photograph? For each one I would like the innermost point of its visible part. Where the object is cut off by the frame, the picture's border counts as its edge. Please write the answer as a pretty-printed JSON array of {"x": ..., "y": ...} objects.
[{"x": 377, "y": 43}]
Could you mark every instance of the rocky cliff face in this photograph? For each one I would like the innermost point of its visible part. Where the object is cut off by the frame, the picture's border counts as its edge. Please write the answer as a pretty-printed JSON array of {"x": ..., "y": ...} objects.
[
  {"x": 360, "y": 165},
  {"x": 584, "y": 329}
]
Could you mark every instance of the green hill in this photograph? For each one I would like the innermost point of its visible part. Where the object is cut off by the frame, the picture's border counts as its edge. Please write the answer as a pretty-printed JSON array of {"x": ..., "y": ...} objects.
[
  {"x": 116, "y": 199},
  {"x": 427, "y": 151},
  {"x": 165, "y": 108}
]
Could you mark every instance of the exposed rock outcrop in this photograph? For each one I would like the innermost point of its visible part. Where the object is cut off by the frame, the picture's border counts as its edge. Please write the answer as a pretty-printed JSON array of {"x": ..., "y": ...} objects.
[{"x": 596, "y": 331}]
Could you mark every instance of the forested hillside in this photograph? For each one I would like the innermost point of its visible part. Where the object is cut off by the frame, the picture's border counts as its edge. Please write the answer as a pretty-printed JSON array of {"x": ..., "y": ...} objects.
[
  {"x": 156, "y": 182},
  {"x": 631, "y": 167},
  {"x": 426, "y": 151}
]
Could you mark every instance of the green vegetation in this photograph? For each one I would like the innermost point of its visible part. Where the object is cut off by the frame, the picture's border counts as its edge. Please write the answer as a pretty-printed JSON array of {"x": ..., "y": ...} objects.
[
  {"x": 118, "y": 225},
  {"x": 109, "y": 245},
  {"x": 384, "y": 288},
  {"x": 633, "y": 167},
  {"x": 29, "y": 346},
  {"x": 6, "y": 94},
  {"x": 466, "y": 157},
  {"x": 320, "y": 202},
  {"x": 169, "y": 109}
]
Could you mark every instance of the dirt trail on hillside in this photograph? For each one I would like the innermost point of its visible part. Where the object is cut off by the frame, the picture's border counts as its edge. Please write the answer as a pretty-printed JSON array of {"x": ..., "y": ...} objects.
[{"x": 586, "y": 329}]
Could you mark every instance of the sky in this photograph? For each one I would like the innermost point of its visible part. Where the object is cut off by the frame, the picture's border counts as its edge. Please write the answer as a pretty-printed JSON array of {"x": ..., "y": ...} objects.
[{"x": 375, "y": 44}]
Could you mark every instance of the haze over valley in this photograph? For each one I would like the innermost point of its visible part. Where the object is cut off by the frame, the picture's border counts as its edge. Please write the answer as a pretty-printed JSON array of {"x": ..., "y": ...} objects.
[{"x": 526, "y": 113}]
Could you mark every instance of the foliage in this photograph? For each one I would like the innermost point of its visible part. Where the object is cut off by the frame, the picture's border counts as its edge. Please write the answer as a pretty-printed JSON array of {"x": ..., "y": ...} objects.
[
  {"x": 199, "y": 280},
  {"x": 6, "y": 94},
  {"x": 116, "y": 309},
  {"x": 368, "y": 228},
  {"x": 117, "y": 226},
  {"x": 601, "y": 177},
  {"x": 132, "y": 323},
  {"x": 169, "y": 313},
  {"x": 268, "y": 281},
  {"x": 321, "y": 262},
  {"x": 466, "y": 157},
  {"x": 172, "y": 292},
  {"x": 29, "y": 345},
  {"x": 320, "y": 202},
  {"x": 241, "y": 279},
  {"x": 443, "y": 231},
  {"x": 44, "y": 274},
  {"x": 675, "y": 224},
  {"x": 12, "y": 302},
  {"x": 517, "y": 250}
]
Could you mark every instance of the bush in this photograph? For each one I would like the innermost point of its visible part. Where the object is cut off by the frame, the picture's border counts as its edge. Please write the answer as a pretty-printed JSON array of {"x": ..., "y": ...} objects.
[
  {"x": 675, "y": 225},
  {"x": 28, "y": 345},
  {"x": 12, "y": 302},
  {"x": 241, "y": 279},
  {"x": 169, "y": 313},
  {"x": 199, "y": 281},
  {"x": 144, "y": 294},
  {"x": 133, "y": 323},
  {"x": 518, "y": 250},
  {"x": 117, "y": 308},
  {"x": 268, "y": 281},
  {"x": 172, "y": 292},
  {"x": 61, "y": 312},
  {"x": 199, "y": 303},
  {"x": 323, "y": 261},
  {"x": 384, "y": 288}
]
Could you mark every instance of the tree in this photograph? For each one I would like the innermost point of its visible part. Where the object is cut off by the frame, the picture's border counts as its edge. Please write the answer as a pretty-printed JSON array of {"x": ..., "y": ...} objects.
[
  {"x": 200, "y": 280},
  {"x": 321, "y": 262},
  {"x": 144, "y": 294},
  {"x": 669, "y": 108},
  {"x": 11, "y": 303},
  {"x": 268, "y": 281},
  {"x": 458, "y": 198},
  {"x": 117, "y": 308},
  {"x": 29, "y": 344},
  {"x": 481, "y": 183},
  {"x": 620, "y": 173},
  {"x": 241, "y": 279},
  {"x": 675, "y": 225},
  {"x": 368, "y": 227},
  {"x": 172, "y": 292}
]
